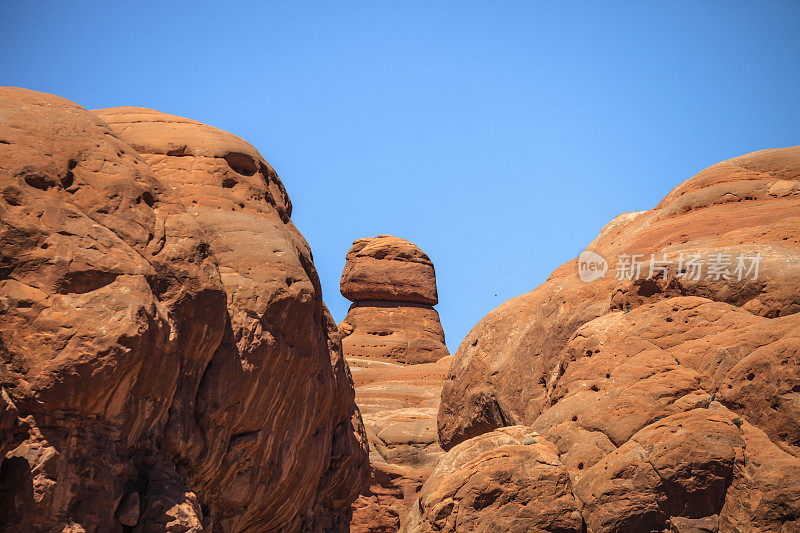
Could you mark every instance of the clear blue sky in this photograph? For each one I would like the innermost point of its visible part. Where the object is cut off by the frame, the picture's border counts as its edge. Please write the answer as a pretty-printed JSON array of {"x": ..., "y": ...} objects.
[{"x": 500, "y": 137}]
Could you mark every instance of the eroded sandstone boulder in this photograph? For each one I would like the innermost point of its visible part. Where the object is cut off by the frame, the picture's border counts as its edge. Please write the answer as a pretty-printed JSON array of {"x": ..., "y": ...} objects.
[
  {"x": 392, "y": 285},
  {"x": 388, "y": 268},
  {"x": 164, "y": 340},
  {"x": 670, "y": 399},
  {"x": 507, "y": 480}
]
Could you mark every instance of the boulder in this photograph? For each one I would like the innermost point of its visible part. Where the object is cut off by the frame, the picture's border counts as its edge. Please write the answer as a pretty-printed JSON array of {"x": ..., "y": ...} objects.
[
  {"x": 392, "y": 285},
  {"x": 388, "y": 268},
  {"x": 509, "y": 479}
]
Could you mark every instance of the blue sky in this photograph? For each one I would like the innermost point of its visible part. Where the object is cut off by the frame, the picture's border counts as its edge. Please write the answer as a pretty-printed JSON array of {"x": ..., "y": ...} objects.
[{"x": 500, "y": 137}]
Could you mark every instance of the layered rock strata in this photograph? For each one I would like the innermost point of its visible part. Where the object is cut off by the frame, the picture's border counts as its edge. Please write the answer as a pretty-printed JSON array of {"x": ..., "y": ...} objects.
[
  {"x": 392, "y": 285},
  {"x": 399, "y": 405}
]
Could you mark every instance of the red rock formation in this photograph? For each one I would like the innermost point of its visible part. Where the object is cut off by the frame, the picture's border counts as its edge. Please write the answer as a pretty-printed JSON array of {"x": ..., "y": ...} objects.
[
  {"x": 399, "y": 405},
  {"x": 391, "y": 324},
  {"x": 393, "y": 286},
  {"x": 165, "y": 346},
  {"x": 672, "y": 401},
  {"x": 505, "y": 480},
  {"x": 388, "y": 268}
]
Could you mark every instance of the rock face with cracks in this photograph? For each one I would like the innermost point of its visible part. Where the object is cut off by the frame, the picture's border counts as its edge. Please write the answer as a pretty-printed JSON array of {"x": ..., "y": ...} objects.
[
  {"x": 671, "y": 397},
  {"x": 167, "y": 361}
]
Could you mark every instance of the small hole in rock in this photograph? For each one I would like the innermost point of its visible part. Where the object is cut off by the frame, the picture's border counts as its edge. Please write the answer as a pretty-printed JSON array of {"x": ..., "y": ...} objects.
[
  {"x": 12, "y": 198},
  {"x": 38, "y": 181},
  {"x": 241, "y": 163},
  {"x": 751, "y": 376},
  {"x": 580, "y": 466},
  {"x": 67, "y": 180}
]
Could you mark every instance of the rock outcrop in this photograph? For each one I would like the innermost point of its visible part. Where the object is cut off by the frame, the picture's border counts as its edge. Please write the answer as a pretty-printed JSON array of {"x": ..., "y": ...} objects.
[
  {"x": 671, "y": 394},
  {"x": 390, "y": 327},
  {"x": 505, "y": 480},
  {"x": 392, "y": 285},
  {"x": 399, "y": 405},
  {"x": 167, "y": 361}
]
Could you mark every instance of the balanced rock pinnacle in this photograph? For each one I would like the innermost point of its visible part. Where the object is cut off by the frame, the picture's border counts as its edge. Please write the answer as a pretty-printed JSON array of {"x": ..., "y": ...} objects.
[
  {"x": 394, "y": 344},
  {"x": 392, "y": 285}
]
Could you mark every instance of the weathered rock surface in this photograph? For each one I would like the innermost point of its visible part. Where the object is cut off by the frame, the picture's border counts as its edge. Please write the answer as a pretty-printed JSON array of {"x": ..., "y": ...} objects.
[
  {"x": 670, "y": 399},
  {"x": 407, "y": 333},
  {"x": 507, "y": 480},
  {"x": 388, "y": 268},
  {"x": 392, "y": 285},
  {"x": 399, "y": 405},
  {"x": 163, "y": 334},
  {"x": 394, "y": 343}
]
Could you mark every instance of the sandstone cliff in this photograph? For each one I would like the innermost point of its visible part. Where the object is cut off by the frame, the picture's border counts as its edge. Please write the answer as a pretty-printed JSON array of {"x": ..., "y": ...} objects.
[
  {"x": 167, "y": 361},
  {"x": 670, "y": 399},
  {"x": 399, "y": 405}
]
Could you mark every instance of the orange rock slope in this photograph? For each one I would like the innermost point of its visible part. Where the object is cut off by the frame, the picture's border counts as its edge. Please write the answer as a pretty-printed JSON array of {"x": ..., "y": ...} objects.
[
  {"x": 168, "y": 362},
  {"x": 673, "y": 401}
]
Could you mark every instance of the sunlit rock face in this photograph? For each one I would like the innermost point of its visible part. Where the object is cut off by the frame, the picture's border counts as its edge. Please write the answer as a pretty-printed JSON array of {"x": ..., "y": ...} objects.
[
  {"x": 671, "y": 397},
  {"x": 168, "y": 362},
  {"x": 399, "y": 405},
  {"x": 505, "y": 480}
]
